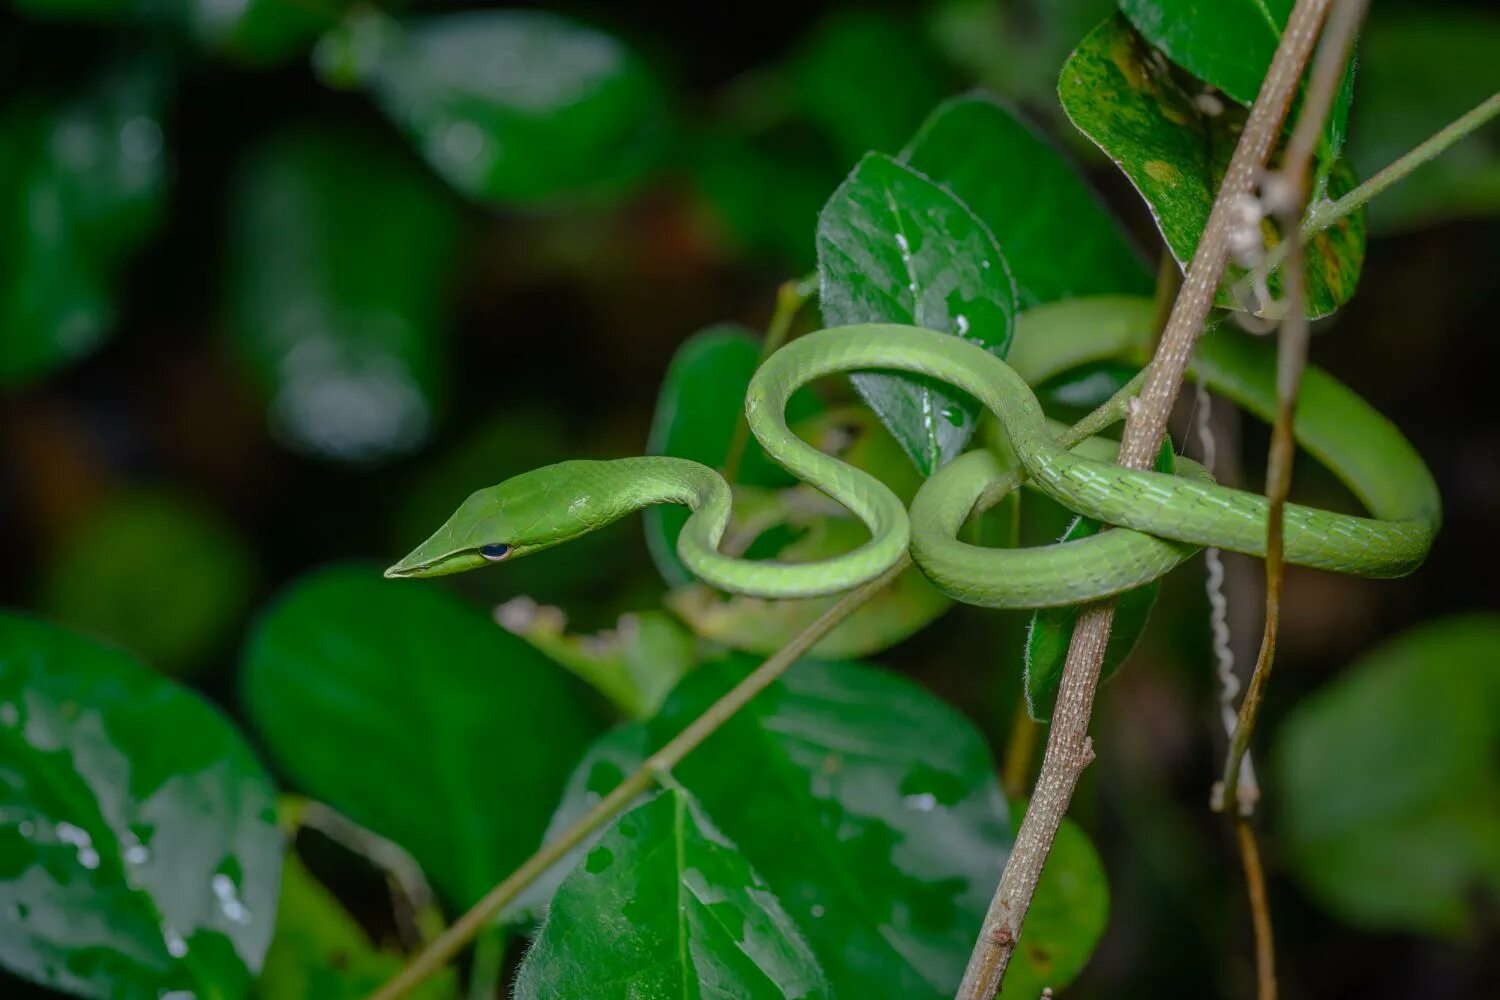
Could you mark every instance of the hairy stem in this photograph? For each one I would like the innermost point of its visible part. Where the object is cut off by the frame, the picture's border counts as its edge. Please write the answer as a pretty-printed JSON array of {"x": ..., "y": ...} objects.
[
  {"x": 441, "y": 951},
  {"x": 1069, "y": 749},
  {"x": 791, "y": 296}
]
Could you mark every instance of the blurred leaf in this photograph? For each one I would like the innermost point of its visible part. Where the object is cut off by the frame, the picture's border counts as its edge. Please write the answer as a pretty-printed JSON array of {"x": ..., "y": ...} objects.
[
  {"x": 258, "y": 31},
  {"x": 320, "y": 950},
  {"x": 1067, "y": 917},
  {"x": 81, "y": 187},
  {"x": 416, "y": 718},
  {"x": 130, "y": 865},
  {"x": 155, "y": 572},
  {"x": 634, "y": 664},
  {"x": 874, "y": 815},
  {"x": 1419, "y": 70},
  {"x": 1389, "y": 795},
  {"x": 867, "y": 78},
  {"x": 663, "y": 905},
  {"x": 1128, "y": 102},
  {"x": 765, "y": 190},
  {"x": 509, "y": 106},
  {"x": 1060, "y": 240},
  {"x": 340, "y": 253},
  {"x": 1051, "y": 630},
  {"x": 1014, "y": 48},
  {"x": 1229, "y": 44},
  {"x": 1082, "y": 388},
  {"x": 701, "y": 400},
  {"x": 894, "y": 247}
]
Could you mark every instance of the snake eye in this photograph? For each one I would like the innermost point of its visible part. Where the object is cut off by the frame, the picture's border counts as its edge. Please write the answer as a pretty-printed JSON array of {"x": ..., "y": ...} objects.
[{"x": 495, "y": 552}]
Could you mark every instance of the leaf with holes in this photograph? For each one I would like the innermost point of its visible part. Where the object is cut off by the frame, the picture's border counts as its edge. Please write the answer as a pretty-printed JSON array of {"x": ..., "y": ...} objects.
[
  {"x": 1120, "y": 94},
  {"x": 663, "y": 905},
  {"x": 895, "y": 247},
  {"x": 130, "y": 865}
]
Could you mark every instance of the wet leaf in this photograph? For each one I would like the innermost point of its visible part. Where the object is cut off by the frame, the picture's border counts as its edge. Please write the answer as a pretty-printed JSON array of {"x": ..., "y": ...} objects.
[
  {"x": 1229, "y": 44},
  {"x": 1051, "y": 630},
  {"x": 1059, "y": 238},
  {"x": 510, "y": 106},
  {"x": 1389, "y": 798},
  {"x": 895, "y": 247},
  {"x": 338, "y": 321},
  {"x": 867, "y": 78},
  {"x": 415, "y": 717},
  {"x": 81, "y": 188},
  {"x": 1124, "y": 98},
  {"x": 1067, "y": 917},
  {"x": 862, "y": 779},
  {"x": 664, "y": 905},
  {"x": 155, "y": 572},
  {"x": 701, "y": 400},
  {"x": 1419, "y": 70},
  {"x": 129, "y": 864},
  {"x": 321, "y": 951}
]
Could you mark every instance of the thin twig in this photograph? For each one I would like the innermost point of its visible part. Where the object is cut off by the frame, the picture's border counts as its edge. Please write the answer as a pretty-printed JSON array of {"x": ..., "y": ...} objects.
[
  {"x": 791, "y": 296},
  {"x": 1260, "y": 910},
  {"x": 441, "y": 951},
  {"x": 1069, "y": 749},
  {"x": 1289, "y": 197}
]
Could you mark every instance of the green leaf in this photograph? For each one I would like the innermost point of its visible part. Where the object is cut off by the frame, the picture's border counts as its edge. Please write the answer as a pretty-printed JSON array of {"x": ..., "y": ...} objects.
[
  {"x": 1015, "y": 48},
  {"x": 662, "y": 905},
  {"x": 701, "y": 400},
  {"x": 894, "y": 247},
  {"x": 867, "y": 79},
  {"x": 874, "y": 816},
  {"x": 1051, "y": 630},
  {"x": 1120, "y": 95},
  {"x": 415, "y": 717},
  {"x": 81, "y": 188},
  {"x": 634, "y": 664},
  {"x": 1059, "y": 238},
  {"x": 320, "y": 950},
  {"x": 1419, "y": 70},
  {"x": 131, "y": 864},
  {"x": 1067, "y": 917},
  {"x": 509, "y": 106},
  {"x": 1389, "y": 798},
  {"x": 1229, "y": 44},
  {"x": 155, "y": 572},
  {"x": 338, "y": 321}
]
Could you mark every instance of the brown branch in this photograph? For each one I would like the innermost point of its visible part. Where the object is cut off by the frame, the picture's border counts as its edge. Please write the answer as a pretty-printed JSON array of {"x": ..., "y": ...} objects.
[
  {"x": 1260, "y": 910},
  {"x": 1069, "y": 749}
]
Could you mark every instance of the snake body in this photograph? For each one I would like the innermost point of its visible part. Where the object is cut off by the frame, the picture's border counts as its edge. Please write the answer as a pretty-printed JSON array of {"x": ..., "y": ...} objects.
[{"x": 1169, "y": 516}]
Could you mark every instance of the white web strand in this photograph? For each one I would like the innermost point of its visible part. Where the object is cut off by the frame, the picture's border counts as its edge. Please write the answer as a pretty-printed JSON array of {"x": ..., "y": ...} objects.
[{"x": 1229, "y": 681}]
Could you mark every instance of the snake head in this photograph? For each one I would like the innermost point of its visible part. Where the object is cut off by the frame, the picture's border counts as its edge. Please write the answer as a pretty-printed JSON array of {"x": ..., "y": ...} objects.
[{"x": 527, "y": 513}]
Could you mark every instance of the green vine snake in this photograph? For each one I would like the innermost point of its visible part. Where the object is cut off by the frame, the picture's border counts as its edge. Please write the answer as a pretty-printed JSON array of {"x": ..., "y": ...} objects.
[{"x": 1163, "y": 518}]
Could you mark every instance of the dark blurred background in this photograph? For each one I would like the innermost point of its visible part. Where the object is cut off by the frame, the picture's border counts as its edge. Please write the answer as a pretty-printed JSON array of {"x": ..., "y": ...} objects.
[{"x": 226, "y": 434}]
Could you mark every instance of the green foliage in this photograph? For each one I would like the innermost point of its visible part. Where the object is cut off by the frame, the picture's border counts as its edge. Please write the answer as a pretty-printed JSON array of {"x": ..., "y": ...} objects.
[
  {"x": 1388, "y": 796},
  {"x": 895, "y": 247},
  {"x": 449, "y": 747},
  {"x": 664, "y": 905},
  {"x": 81, "y": 186},
  {"x": 514, "y": 107},
  {"x": 256, "y": 31},
  {"x": 129, "y": 865},
  {"x": 155, "y": 572},
  {"x": 338, "y": 322},
  {"x": 1058, "y": 238},
  {"x": 1175, "y": 149}
]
